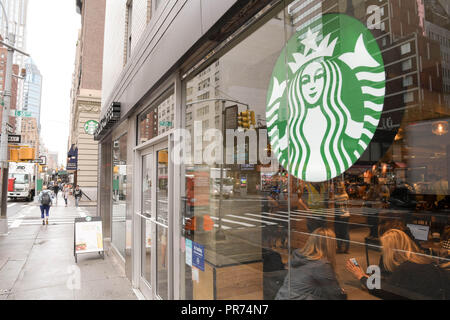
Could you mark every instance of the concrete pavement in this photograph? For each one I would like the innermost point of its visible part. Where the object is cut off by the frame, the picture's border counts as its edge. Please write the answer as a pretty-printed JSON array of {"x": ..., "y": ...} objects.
[{"x": 36, "y": 261}]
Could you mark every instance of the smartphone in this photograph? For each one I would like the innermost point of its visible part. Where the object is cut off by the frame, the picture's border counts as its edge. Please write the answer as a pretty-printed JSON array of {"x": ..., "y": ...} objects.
[{"x": 353, "y": 260}]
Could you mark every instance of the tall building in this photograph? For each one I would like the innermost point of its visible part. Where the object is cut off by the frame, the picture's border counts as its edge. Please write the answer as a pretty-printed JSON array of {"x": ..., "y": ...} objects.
[
  {"x": 86, "y": 93},
  {"x": 31, "y": 110},
  {"x": 32, "y": 91},
  {"x": 52, "y": 160},
  {"x": 17, "y": 19}
]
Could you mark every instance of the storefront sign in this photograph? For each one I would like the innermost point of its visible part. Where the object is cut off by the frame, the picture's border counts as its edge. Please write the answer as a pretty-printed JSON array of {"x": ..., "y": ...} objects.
[
  {"x": 72, "y": 158},
  {"x": 337, "y": 83},
  {"x": 71, "y": 166},
  {"x": 90, "y": 127},
  {"x": 198, "y": 256},
  {"x": 88, "y": 236},
  {"x": 111, "y": 117},
  {"x": 189, "y": 252}
]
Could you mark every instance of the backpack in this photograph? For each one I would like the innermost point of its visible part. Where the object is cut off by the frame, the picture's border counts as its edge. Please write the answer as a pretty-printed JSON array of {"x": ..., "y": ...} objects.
[{"x": 46, "y": 200}]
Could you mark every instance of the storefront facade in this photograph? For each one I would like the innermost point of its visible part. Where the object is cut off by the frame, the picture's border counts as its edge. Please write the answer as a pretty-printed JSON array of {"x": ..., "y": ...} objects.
[{"x": 250, "y": 147}]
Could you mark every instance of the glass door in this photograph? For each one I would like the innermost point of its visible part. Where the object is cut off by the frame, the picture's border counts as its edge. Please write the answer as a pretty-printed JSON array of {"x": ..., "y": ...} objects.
[
  {"x": 162, "y": 223},
  {"x": 146, "y": 215},
  {"x": 154, "y": 222}
]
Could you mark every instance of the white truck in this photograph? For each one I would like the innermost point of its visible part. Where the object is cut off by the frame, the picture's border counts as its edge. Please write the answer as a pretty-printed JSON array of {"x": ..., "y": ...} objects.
[
  {"x": 227, "y": 183},
  {"x": 24, "y": 176}
]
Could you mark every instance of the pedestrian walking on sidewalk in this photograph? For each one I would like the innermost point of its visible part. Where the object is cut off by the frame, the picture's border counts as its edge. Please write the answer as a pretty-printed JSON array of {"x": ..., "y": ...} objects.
[
  {"x": 45, "y": 199},
  {"x": 66, "y": 193},
  {"x": 77, "y": 194},
  {"x": 55, "y": 191}
]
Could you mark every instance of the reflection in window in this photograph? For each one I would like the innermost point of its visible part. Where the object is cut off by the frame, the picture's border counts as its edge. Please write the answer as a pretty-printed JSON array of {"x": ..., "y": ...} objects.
[
  {"x": 157, "y": 119},
  {"x": 389, "y": 210},
  {"x": 119, "y": 196}
]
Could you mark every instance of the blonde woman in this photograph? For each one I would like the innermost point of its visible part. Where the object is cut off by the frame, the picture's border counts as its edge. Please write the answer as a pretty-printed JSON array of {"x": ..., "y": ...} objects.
[
  {"x": 312, "y": 275},
  {"x": 413, "y": 275}
]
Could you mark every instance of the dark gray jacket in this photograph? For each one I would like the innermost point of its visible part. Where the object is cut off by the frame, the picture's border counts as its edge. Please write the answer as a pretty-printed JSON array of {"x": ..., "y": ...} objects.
[{"x": 310, "y": 280}]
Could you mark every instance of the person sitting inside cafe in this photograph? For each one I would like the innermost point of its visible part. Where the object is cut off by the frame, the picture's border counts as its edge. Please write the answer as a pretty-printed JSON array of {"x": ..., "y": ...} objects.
[{"x": 413, "y": 275}]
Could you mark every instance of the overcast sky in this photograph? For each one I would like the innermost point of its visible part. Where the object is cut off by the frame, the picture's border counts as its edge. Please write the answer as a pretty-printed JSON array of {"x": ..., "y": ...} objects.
[{"x": 52, "y": 32}]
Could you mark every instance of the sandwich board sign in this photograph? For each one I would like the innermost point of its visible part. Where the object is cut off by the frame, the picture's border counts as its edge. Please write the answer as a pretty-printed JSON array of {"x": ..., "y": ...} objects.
[{"x": 88, "y": 236}]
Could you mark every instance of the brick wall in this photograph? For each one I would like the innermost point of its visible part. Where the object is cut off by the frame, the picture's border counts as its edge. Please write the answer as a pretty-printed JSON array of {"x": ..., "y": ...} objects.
[{"x": 93, "y": 17}]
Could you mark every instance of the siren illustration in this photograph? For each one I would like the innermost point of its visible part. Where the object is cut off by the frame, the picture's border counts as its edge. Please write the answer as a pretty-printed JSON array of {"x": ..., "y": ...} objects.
[{"x": 334, "y": 95}]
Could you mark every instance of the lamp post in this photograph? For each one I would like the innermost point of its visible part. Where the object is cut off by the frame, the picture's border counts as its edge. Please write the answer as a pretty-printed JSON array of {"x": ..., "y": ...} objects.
[{"x": 10, "y": 40}]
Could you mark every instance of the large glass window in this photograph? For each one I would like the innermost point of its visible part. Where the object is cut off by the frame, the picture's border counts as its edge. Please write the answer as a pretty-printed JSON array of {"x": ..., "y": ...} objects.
[
  {"x": 119, "y": 196},
  {"x": 156, "y": 120},
  {"x": 321, "y": 168}
]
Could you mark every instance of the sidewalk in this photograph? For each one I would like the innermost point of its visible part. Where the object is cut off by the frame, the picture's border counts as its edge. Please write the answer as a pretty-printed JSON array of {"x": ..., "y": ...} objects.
[{"x": 37, "y": 262}]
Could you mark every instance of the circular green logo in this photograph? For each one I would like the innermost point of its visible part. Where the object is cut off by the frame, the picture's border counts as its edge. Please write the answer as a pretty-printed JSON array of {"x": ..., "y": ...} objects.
[
  {"x": 325, "y": 98},
  {"x": 90, "y": 126}
]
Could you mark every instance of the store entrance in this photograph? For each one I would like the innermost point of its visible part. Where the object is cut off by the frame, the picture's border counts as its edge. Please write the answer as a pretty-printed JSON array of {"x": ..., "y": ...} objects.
[{"x": 153, "y": 218}]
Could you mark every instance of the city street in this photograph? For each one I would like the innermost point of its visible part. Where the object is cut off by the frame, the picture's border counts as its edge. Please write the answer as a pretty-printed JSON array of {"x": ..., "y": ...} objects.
[
  {"x": 37, "y": 262},
  {"x": 224, "y": 150}
]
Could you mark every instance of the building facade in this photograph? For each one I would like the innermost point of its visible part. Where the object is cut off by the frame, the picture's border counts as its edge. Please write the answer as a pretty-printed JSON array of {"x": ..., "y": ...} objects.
[
  {"x": 86, "y": 94},
  {"x": 349, "y": 143},
  {"x": 13, "y": 120}
]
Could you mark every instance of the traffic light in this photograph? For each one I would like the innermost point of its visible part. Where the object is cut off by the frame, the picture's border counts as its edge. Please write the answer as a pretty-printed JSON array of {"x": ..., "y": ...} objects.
[
  {"x": 244, "y": 119},
  {"x": 14, "y": 155},
  {"x": 252, "y": 118}
]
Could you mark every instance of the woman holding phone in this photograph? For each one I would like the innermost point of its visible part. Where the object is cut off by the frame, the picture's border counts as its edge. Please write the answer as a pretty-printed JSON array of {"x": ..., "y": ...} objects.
[{"x": 413, "y": 275}]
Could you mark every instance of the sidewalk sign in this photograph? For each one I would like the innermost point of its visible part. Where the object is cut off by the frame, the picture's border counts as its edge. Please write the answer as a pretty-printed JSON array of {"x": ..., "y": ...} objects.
[{"x": 88, "y": 236}]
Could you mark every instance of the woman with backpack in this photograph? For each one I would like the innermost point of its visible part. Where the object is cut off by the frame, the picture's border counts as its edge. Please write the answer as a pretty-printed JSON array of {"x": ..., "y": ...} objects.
[{"x": 45, "y": 199}]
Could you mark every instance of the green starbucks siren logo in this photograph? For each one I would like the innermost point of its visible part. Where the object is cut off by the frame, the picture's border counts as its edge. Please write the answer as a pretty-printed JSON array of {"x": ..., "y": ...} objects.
[
  {"x": 90, "y": 126},
  {"x": 322, "y": 118}
]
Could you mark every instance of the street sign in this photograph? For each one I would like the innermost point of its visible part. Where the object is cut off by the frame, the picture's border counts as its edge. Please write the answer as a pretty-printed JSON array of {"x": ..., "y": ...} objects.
[
  {"x": 14, "y": 138},
  {"x": 40, "y": 161},
  {"x": 20, "y": 113},
  {"x": 44, "y": 159},
  {"x": 165, "y": 123},
  {"x": 9, "y": 128},
  {"x": 71, "y": 166}
]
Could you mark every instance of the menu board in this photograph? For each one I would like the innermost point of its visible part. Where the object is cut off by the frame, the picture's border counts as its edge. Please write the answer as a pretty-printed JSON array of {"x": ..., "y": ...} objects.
[{"x": 88, "y": 236}]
